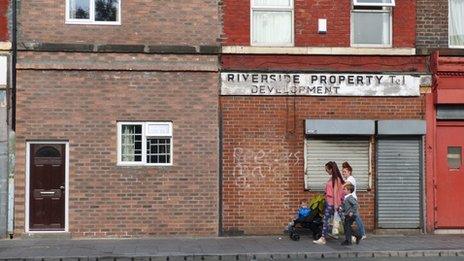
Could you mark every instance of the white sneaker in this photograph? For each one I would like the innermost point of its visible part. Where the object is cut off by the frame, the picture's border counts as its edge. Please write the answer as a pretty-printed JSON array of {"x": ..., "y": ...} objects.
[
  {"x": 320, "y": 241},
  {"x": 353, "y": 239},
  {"x": 363, "y": 237}
]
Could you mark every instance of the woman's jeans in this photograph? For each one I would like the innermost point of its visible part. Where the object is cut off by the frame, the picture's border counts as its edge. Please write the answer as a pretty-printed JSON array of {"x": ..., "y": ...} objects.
[
  {"x": 328, "y": 213},
  {"x": 360, "y": 225}
]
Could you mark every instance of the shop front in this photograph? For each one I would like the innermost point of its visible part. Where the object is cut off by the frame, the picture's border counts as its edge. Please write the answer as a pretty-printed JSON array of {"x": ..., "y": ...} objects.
[
  {"x": 280, "y": 128},
  {"x": 445, "y": 120}
]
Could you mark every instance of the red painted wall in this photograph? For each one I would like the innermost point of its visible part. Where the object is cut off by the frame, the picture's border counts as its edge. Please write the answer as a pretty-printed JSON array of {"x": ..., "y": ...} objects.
[
  {"x": 448, "y": 77},
  {"x": 4, "y": 20},
  {"x": 237, "y": 23},
  {"x": 430, "y": 118}
]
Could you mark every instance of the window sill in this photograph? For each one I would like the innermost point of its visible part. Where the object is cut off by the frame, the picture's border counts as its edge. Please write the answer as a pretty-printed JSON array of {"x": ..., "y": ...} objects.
[
  {"x": 92, "y": 23},
  {"x": 273, "y": 45},
  {"x": 318, "y": 50},
  {"x": 143, "y": 165},
  {"x": 5, "y": 46},
  {"x": 382, "y": 46}
]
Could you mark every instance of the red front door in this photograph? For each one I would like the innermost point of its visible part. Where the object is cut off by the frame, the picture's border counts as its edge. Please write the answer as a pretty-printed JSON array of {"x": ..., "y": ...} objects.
[
  {"x": 449, "y": 191},
  {"x": 47, "y": 191}
]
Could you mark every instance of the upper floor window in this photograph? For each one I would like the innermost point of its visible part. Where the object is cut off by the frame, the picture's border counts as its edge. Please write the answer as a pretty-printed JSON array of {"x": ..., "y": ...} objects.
[
  {"x": 371, "y": 23},
  {"x": 272, "y": 22},
  {"x": 456, "y": 23},
  {"x": 93, "y": 11}
]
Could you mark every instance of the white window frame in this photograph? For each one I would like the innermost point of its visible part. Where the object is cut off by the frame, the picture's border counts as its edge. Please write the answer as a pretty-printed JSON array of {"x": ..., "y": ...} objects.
[
  {"x": 144, "y": 143},
  {"x": 357, "y": 3},
  {"x": 449, "y": 23},
  {"x": 273, "y": 9},
  {"x": 91, "y": 19},
  {"x": 387, "y": 8}
]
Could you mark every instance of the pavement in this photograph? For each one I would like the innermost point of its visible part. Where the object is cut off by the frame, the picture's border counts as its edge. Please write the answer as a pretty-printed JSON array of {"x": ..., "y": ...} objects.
[{"x": 230, "y": 248}]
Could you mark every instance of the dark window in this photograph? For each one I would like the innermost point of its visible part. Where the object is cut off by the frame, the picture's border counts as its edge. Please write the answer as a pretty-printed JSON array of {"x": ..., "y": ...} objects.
[
  {"x": 48, "y": 152},
  {"x": 106, "y": 10},
  {"x": 158, "y": 150}
]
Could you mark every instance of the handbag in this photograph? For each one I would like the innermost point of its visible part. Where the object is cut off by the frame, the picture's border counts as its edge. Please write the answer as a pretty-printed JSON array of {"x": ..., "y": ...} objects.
[{"x": 337, "y": 226}]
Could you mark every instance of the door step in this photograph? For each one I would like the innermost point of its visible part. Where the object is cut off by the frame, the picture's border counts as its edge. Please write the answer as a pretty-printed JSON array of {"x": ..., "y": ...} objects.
[
  {"x": 58, "y": 235},
  {"x": 398, "y": 232},
  {"x": 449, "y": 231}
]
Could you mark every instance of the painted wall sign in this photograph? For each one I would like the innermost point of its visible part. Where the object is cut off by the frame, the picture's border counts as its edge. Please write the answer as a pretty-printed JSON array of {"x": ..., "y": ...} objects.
[
  {"x": 2, "y": 99},
  {"x": 319, "y": 84},
  {"x": 3, "y": 70}
]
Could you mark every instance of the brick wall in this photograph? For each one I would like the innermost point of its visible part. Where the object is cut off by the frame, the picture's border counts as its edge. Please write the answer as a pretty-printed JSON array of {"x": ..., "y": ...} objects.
[
  {"x": 263, "y": 162},
  {"x": 237, "y": 23},
  {"x": 432, "y": 23},
  {"x": 337, "y": 14},
  {"x": 192, "y": 22},
  {"x": 349, "y": 63},
  {"x": 83, "y": 107}
]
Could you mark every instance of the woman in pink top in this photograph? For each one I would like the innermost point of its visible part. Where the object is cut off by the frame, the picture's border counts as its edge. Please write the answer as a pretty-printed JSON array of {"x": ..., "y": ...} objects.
[{"x": 333, "y": 197}]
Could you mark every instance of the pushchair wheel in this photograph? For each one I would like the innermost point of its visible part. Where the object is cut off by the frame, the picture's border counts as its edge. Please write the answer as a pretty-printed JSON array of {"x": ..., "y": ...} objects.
[
  {"x": 295, "y": 237},
  {"x": 290, "y": 234}
]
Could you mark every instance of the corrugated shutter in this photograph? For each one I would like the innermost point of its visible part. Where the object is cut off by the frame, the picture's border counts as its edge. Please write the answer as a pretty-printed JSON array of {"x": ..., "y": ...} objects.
[
  {"x": 319, "y": 151},
  {"x": 398, "y": 186}
]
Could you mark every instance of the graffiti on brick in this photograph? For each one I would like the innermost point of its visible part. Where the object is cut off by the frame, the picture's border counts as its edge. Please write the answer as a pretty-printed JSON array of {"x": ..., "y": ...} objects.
[{"x": 257, "y": 165}]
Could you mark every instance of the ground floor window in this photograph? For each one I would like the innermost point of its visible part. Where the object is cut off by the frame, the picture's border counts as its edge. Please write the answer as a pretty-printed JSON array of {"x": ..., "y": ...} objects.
[
  {"x": 144, "y": 143},
  {"x": 320, "y": 150}
]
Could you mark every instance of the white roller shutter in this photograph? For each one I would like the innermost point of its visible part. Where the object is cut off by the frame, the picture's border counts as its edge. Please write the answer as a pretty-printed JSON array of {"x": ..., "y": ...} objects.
[
  {"x": 318, "y": 151},
  {"x": 398, "y": 179}
]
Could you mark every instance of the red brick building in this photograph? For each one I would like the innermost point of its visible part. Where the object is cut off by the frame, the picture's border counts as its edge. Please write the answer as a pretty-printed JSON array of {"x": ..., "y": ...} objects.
[
  {"x": 440, "y": 34},
  {"x": 117, "y": 118},
  {"x": 305, "y": 82}
]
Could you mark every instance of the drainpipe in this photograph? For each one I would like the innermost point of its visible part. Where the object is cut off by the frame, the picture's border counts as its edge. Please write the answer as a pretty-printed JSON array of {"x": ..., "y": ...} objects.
[
  {"x": 11, "y": 164},
  {"x": 221, "y": 178},
  {"x": 12, "y": 136},
  {"x": 13, "y": 66}
]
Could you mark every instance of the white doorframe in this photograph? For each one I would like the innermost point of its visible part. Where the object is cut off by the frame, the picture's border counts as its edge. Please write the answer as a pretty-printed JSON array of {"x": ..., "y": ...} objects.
[{"x": 27, "y": 187}]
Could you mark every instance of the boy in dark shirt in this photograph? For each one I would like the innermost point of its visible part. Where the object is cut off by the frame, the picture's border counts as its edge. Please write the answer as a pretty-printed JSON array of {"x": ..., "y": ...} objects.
[{"x": 349, "y": 211}]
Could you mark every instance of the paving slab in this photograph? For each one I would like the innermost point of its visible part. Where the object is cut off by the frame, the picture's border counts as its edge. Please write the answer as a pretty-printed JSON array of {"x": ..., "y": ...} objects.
[{"x": 229, "y": 248}]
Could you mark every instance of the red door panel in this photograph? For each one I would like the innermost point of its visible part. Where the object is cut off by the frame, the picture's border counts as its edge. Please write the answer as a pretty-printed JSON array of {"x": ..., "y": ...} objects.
[
  {"x": 449, "y": 192},
  {"x": 47, "y": 180}
]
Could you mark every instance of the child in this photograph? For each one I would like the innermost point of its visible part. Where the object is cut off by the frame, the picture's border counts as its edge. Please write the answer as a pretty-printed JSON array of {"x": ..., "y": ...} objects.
[
  {"x": 303, "y": 212},
  {"x": 347, "y": 174},
  {"x": 349, "y": 210}
]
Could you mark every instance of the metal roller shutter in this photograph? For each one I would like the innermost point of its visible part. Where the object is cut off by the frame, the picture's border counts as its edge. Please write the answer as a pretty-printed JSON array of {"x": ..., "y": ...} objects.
[
  {"x": 319, "y": 151},
  {"x": 398, "y": 182}
]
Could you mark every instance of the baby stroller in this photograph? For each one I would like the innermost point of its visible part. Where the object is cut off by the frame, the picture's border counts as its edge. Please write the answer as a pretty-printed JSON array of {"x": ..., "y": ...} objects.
[{"x": 309, "y": 225}]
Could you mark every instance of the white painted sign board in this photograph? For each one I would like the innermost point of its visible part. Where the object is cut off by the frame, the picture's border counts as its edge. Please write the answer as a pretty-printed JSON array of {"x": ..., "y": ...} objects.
[
  {"x": 319, "y": 84},
  {"x": 3, "y": 70}
]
